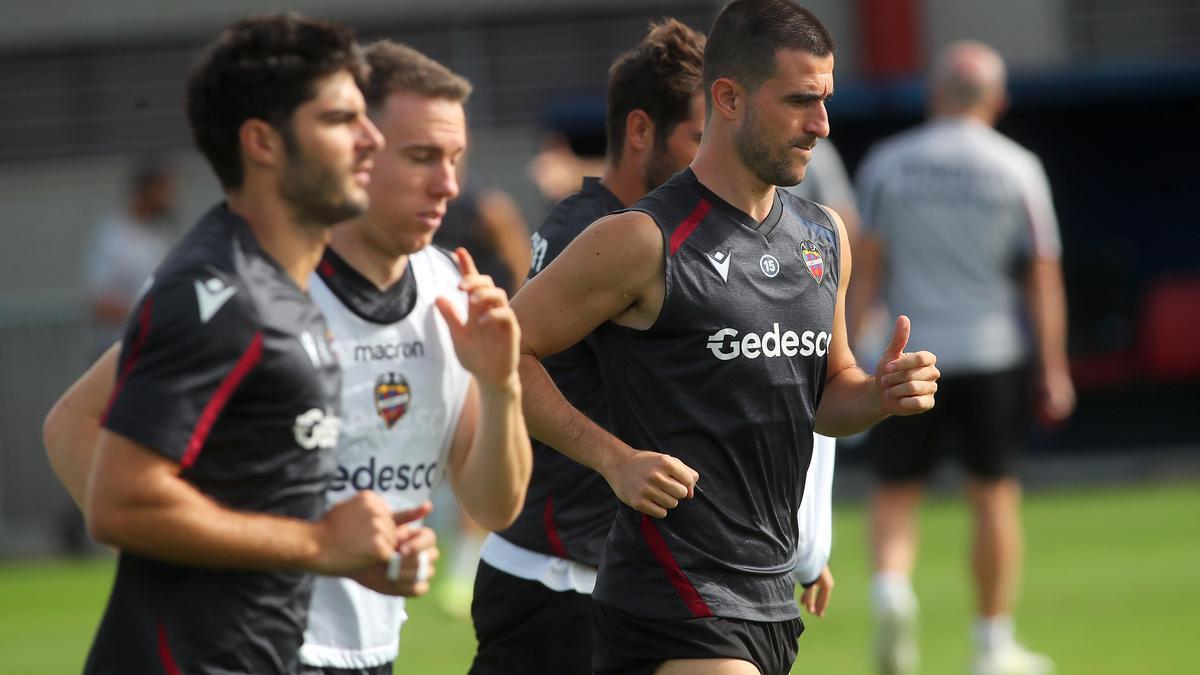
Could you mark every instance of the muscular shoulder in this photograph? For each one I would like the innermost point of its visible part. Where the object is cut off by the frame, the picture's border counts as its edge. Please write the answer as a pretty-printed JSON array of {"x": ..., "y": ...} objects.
[
  {"x": 626, "y": 242},
  {"x": 608, "y": 267},
  {"x": 203, "y": 306},
  {"x": 200, "y": 295},
  {"x": 570, "y": 216},
  {"x": 574, "y": 213}
]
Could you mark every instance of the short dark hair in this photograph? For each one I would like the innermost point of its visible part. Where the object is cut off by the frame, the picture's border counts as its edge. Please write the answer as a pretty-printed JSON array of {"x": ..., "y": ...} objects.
[
  {"x": 659, "y": 76},
  {"x": 396, "y": 67},
  {"x": 262, "y": 67},
  {"x": 747, "y": 34}
]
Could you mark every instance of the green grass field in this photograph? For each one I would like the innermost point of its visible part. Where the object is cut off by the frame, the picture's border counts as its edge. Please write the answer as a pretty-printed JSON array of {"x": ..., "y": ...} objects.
[{"x": 1112, "y": 585}]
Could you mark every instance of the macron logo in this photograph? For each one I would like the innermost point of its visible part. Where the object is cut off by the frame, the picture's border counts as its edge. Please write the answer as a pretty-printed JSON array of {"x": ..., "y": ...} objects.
[
  {"x": 211, "y": 295},
  {"x": 720, "y": 261}
]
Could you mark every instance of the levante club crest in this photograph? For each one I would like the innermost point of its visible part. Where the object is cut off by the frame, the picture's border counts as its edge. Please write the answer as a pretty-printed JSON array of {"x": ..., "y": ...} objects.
[
  {"x": 392, "y": 396},
  {"x": 811, "y": 253}
]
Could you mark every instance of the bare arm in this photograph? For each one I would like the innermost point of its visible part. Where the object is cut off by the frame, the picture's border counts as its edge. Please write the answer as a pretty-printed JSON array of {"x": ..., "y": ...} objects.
[
  {"x": 490, "y": 457},
  {"x": 490, "y": 460},
  {"x": 903, "y": 384},
  {"x": 612, "y": 271},
  {"x": 137, "y": 501},
  {"x": 502, "y": 220},
  {"x": 1048, "y": 310},
  {"x": 72, "y": 427}
]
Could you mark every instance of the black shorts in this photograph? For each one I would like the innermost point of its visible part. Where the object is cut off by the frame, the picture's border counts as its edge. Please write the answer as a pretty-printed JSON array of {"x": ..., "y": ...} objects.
[
  {"x": 982, "y": 416},
  {"x": 524, "y": 628},
  {"x": 385, "y": 669},
  {"x": 630, "y": 645}
]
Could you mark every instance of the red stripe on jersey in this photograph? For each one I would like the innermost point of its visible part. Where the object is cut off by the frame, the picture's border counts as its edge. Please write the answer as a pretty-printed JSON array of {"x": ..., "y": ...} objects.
[
  {"x": 687, "y": 592},
  {"x": 325, "y": 269},
  {"x": 135, "y": 350},
  {"x": 689, "y": 224},
  {"x": 556, "y": 545},
  {"x": 164, "y": 652},
  {"x": 220, "y": 397}
]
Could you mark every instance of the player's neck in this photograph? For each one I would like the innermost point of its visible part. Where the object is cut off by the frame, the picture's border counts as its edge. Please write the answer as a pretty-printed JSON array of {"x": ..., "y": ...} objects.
[
  {"x": 719, "y": 169},
  {"x": 624, "y": 180},
  {"x": 351, "y": 243},
  {"x": 295, "y": 247}
]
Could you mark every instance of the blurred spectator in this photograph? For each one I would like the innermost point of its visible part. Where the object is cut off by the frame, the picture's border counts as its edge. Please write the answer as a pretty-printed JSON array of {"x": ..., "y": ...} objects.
[
  {"x": 557, "y": 170},
  {"x": 126, "y": 247},
  {"x": 489, "y": 224},
  {"x": 959, "y": 232}
]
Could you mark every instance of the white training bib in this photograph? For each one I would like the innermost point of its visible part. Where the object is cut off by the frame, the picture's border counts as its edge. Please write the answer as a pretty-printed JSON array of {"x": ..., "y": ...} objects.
[{"x": 402, "y": 393}]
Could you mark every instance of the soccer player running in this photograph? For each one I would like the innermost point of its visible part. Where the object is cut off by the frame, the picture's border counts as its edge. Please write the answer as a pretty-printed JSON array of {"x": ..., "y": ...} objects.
[
  {"x": 716, "y": 308},
  {"x": 532, "y": 605},
  {"x": 414, "y": 413},
  {"x": 210, "y": 471}
]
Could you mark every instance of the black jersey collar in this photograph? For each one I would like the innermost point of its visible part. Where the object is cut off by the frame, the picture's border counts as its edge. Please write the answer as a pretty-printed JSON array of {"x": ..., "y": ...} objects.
[
  {"x": 362, "y": 297},
  {"x": 249, "y": 244},
  {"x": 594, "y": 188},
  {"x": 764, "y": 228}
]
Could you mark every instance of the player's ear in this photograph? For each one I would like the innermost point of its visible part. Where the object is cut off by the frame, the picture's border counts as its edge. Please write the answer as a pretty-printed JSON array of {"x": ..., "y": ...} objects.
[
  {"x": 262, "y": 145},
  {"x": 639, "y": 130},
  {"x": 728, "y": 99}
]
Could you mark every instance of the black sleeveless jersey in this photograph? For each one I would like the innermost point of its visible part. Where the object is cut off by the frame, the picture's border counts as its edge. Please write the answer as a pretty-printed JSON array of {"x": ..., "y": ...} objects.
[
  {"x": 227, "y": 369},
  {"x": 569, "y": 507},
  {"x": 727, "y": 380}
]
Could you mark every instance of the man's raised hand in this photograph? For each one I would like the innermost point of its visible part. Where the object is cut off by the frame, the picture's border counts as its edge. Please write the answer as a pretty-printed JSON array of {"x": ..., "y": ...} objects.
[
  {"x": 906, "y": 381},
  {"x": 487, "y": 340}
]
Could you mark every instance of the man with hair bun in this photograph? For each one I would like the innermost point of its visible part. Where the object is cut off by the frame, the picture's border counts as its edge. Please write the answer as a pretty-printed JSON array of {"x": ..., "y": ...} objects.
[{"x": 532, "y": 605}]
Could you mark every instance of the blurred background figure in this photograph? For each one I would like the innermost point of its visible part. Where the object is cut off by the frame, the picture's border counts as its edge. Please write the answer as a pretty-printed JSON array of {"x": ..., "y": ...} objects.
[
  {"x": 488, "y": 223},
  {"x": 557, "y": 170},
  {"x": 126, "y": 247},
  {"x": 959, "y": 232}
]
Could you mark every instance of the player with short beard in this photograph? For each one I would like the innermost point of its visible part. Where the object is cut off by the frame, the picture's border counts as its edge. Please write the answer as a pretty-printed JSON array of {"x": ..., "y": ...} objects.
[
  {"x": 716, "y": 306},
  {"x": 532, "y": 605},
  {"x": 210, "y": 470},
  {"x": 448, "y": 409}
]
